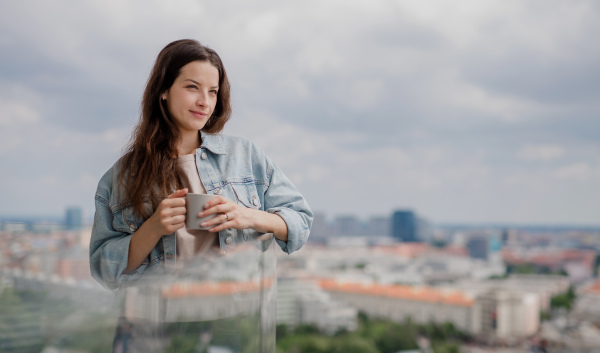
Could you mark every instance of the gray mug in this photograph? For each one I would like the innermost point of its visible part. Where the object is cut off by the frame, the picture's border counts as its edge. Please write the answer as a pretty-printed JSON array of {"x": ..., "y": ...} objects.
[{"x": 195, "y": 204}]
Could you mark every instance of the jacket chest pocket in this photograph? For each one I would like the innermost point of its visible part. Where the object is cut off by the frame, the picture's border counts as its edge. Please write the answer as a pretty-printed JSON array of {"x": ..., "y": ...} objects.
[
  {"x": 246, "y": 194},
  {"x": 126, "y": 220}
]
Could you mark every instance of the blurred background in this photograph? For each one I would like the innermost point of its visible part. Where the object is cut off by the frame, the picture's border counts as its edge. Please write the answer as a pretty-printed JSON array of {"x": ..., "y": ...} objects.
[{"x": 424, "y": 130}]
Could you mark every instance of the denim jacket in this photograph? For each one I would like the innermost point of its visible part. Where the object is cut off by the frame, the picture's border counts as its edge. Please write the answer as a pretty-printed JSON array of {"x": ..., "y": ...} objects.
[{"x": 229, "y": 166}]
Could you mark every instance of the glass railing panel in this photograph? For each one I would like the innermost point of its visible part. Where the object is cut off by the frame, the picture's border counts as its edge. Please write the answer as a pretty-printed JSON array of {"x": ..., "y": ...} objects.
[{"x": 211, "y": 303}]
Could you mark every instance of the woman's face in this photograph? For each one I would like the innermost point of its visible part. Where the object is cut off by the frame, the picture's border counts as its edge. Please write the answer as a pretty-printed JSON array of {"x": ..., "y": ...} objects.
[{"x": 192, "y": 97}]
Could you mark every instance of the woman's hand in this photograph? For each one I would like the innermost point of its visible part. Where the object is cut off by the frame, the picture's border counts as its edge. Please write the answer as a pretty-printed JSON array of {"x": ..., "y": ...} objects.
[
  {"x": 169, "y": 215},
  {"x": 229, "y": 215},
  {"x": 232, "y": 215}
]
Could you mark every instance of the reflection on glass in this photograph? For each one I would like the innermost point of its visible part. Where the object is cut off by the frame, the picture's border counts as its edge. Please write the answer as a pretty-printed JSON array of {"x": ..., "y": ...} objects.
[{"x": 213, "y": 303}]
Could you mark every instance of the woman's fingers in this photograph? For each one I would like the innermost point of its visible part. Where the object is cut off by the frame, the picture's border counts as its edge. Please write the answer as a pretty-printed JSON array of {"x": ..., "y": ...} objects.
[
  {"x": 176, "y": 202},
  {"x": 175, "y": 211},
  {"x": 224, "y": 223},
  {"x": 239, "y": 218},
  {"x": 170, "y": 214},
  {"x": 220, "y": 218},
  {"x": 172, "y": 224},
  {"x": 178, "y": 220},
  {"x": 215, "y": 201},
  {"x": 178, "y": 193},
  {"x": 221, "y": 227},
  {"x": 223, "y": 208}
]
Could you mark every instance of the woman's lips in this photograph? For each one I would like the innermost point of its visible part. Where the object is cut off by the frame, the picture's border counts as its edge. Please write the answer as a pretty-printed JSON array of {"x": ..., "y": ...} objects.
[{"x": 199, "y": 115}]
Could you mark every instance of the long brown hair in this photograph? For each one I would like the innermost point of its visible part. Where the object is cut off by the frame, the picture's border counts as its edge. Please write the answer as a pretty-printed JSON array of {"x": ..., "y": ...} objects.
[{"x": 148, "y": 169}]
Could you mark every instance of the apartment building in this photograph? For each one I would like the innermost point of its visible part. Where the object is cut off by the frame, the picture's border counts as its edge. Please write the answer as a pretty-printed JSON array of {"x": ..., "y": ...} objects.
[{"x": 496, "y": 314}]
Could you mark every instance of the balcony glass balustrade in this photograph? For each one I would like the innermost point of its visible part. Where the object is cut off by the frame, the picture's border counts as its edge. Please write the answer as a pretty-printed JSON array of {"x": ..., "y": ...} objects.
[{"x": 211, "y": 303}]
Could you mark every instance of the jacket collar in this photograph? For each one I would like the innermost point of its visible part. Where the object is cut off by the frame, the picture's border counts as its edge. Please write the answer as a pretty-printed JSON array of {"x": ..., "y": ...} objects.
[{"x": 212, "y": 142}]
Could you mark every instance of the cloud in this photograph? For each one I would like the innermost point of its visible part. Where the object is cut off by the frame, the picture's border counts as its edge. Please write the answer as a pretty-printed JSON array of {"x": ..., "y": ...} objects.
[
  {"x": 400, "y": 65},
  {"x": 12, "y": 113},
  {"x": 540, "y": 152},
  {"x": 544, "y": 58},
  {"x": 578, "y": 171},
  {"x": 441, "y": 106}
]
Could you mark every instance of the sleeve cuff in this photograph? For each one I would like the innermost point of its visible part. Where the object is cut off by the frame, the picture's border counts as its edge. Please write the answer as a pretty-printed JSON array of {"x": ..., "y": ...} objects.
[{"x": 297, "y": 230}]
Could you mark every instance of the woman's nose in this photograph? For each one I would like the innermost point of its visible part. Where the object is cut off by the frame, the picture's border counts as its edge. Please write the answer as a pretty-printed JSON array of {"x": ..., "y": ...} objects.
[{"x": 202, "y": 99}]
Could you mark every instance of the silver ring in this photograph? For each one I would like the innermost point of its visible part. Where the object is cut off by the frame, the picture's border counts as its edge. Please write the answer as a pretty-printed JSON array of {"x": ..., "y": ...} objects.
[{"x": 226, "y": 217}]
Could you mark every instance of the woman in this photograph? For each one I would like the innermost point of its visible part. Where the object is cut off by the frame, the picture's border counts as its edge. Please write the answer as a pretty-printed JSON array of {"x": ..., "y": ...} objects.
[{"x": 139, "y": 223}]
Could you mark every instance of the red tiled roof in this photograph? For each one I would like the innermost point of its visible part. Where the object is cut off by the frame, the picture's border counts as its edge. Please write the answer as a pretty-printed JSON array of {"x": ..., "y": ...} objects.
[
  {"x": 209, "y": 289},
  {"x": 425, "y": 294},
  {"x": 550, "y": 257},
  {"x": 594, "y": 289}
]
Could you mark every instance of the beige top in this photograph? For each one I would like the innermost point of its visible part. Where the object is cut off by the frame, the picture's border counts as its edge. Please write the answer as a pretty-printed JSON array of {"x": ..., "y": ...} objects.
[{"x": 191, "y": 242}]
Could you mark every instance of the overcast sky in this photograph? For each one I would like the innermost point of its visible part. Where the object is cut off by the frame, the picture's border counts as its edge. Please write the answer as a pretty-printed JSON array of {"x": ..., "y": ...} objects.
[{"x": 465, "y": 111}]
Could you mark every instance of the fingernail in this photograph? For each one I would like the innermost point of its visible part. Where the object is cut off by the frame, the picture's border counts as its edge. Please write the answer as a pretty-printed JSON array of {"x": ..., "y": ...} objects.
[
  {"x": 203, "y": 224},
  {"x": 201, "y": 214},
  {"x": 206, "y": 205}
]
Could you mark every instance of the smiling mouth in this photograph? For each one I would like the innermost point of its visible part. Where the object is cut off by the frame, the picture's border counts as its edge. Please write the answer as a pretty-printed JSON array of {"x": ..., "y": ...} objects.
[{"x": 199, "y": 115}]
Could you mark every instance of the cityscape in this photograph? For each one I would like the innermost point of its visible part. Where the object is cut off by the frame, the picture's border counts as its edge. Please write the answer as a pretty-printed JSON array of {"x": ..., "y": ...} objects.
[
  {"x": 448, "y": 149},
  {"x": 483, "y": 288}
]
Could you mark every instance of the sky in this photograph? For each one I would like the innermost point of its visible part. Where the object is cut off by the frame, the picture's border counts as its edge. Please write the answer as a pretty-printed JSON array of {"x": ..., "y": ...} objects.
[{"x": 466, "y": 111}]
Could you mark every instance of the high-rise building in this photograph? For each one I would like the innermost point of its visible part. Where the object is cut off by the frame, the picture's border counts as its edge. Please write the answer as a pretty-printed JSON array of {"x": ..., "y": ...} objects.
[
  {"x": 378, "y": 226},
  {"x": 74, "y": 218},
  {"x": 494, "y": 241},
  {"x": 404, "y": 226},
  {"x": 504, "y": 237},
  {"x": 320, "y": 229},
  {"x": 478, "y": 247},
  {"x": 347, "y": 225},
  {"x": 424, "y": 230}
]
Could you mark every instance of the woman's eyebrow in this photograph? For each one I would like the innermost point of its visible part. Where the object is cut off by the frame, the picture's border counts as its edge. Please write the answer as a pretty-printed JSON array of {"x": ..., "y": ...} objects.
[{"x": 198, "y": 83}]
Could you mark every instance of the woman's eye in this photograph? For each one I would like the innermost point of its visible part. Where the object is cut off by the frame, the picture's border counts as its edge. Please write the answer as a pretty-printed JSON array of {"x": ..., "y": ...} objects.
[
  {"x": 192, "y": 87},
  {"x": 213, "y": 91}
]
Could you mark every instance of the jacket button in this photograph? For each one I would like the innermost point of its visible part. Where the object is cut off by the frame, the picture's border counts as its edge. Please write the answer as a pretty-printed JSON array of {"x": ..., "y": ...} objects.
[
  {"x": 228, "y": 240},
  {"x": 255, "y": 201},
  {"x": 132, "y": 226},
  {"x": 203, "y": 155},
  {"x": 218, "y": 192}
]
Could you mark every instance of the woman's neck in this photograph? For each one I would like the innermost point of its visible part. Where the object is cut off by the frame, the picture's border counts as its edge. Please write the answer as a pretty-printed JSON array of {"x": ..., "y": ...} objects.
[{"x": 189, "y": 143}]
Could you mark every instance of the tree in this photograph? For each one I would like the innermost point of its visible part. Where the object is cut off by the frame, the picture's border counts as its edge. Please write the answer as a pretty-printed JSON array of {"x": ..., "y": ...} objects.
[
  {"x": 305, "y": 343},
  {"x": 564, "y": 300},
  {"x": 307, "y": 329},
  {"x": 352, "y": 344},
  {"x": 281, "y": 331},
  {"x": 183, "y": 344}
]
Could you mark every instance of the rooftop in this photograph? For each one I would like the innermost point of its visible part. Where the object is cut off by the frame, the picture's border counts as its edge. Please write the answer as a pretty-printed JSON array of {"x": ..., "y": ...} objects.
[{"x": 422, "y": 294}]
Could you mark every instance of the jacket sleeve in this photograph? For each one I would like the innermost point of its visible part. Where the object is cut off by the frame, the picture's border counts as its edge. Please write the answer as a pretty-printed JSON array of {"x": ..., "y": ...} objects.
[
  {"x": 109, "y": 248},
  {"x": 284, "y": 199}
]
